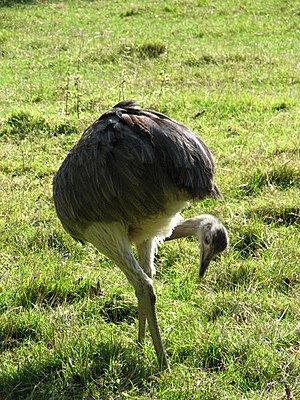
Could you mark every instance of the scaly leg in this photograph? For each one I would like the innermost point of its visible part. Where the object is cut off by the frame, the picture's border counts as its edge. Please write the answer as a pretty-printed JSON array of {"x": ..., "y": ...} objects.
[
  {"x": 112, "y": 240},
  {"x": 146, "y": 251}
]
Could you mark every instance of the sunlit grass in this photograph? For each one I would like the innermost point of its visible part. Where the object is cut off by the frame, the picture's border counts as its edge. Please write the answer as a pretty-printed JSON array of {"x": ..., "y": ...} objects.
[{"x": 68, "y": 317}]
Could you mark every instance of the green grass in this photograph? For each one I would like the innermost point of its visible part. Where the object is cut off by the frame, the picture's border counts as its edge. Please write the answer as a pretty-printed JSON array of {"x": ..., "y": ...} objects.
[{"x": 68, "y": 325}]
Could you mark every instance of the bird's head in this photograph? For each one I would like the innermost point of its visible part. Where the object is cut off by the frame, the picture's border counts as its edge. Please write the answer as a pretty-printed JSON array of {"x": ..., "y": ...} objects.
[{"x": 213, "y": 239}]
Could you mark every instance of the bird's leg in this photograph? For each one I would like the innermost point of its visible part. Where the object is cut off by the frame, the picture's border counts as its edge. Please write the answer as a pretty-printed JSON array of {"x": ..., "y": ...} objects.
[
  {"x": 142, "y": 324},
  {"x": 146, "y": 251},
  {"x": 112, "y": 240},
  {"x": 147, "y": 303},
  {"x": 146, "y": 299}
]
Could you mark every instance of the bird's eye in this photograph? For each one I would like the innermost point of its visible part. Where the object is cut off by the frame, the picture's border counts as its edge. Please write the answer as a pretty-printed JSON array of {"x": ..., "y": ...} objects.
[{"x": 207, "y": 240}]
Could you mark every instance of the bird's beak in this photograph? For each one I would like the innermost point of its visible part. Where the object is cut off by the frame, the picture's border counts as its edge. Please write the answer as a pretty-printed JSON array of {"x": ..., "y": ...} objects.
[{"x": 205, "y": 259}]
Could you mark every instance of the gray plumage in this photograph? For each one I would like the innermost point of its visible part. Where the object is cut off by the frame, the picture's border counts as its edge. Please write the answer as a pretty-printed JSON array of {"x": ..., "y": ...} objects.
[
  {"x": 211, "y": 234},
  {"x": 125, "y": 181}
]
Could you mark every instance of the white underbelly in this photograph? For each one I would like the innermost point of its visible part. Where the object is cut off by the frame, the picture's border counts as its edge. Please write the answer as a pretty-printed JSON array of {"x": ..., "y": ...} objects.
[{"x": 160, "y": 225}]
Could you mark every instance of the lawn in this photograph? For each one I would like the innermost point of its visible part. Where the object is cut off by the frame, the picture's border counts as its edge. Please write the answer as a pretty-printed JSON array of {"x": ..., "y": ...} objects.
[{"x": 68, "y": 318}]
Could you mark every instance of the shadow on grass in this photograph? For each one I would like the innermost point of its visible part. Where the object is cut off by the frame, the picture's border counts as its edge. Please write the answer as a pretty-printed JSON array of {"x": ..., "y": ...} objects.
[
  {"x": 278, "y": 215},
  {"x": 21, "y": 328},
  {"x": 16, "y": 331},
  {"x": 249, "y": 241},
  {"x": 107, "y": 371},
  {"x": 11, "y": 3},
  {"x": 146, "y": 50},
  {"x": 23, "y": 124},
  {"x": 115, "y": 309},
  {"x": 282, "y": 176}
]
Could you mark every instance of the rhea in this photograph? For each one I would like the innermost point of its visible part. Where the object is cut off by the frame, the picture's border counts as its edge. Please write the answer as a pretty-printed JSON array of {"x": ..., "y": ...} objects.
[{"x": 125, "y": 182}]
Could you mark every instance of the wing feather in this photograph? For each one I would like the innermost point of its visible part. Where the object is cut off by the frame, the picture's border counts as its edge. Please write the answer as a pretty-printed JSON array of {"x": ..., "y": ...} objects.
[{"x": 126, "y": 164}]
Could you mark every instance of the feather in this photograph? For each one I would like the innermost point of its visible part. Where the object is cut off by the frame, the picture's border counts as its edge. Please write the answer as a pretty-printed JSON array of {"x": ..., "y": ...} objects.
[{"x": 127, "y": 165}]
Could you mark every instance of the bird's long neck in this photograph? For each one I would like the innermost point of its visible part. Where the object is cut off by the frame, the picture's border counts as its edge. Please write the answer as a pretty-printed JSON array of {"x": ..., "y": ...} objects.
[{"x": 188, "y": 227}]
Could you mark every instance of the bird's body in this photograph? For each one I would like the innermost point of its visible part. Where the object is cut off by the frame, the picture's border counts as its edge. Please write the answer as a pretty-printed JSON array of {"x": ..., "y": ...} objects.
[
  {"x": 125, "y": 181},
  {"x": 133, "y": 166}
]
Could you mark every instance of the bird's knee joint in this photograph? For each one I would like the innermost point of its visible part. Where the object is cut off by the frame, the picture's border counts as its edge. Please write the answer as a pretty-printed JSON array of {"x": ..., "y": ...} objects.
[{"x": 146, "y": 291}]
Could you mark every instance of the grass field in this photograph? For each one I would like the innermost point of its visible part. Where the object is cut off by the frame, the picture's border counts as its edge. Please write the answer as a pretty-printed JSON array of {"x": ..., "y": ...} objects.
[{"x": 231, "y": 71}]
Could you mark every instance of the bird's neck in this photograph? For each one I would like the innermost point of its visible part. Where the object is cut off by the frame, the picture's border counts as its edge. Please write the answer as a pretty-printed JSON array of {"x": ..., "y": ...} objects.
[{"x": 188, "y": 227}]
